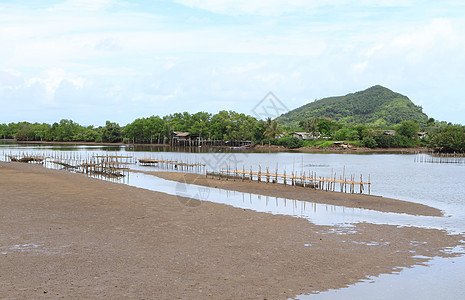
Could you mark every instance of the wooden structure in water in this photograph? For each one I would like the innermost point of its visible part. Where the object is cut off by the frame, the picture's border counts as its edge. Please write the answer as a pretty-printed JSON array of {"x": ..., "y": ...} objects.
[
  {"x": 440, "y": 158},
  {"x": 26, "y": 158},
  {"x": 171, "y": 164},
  {"x": 310, "y": 180},
  {"x": 107, "y": 165}
]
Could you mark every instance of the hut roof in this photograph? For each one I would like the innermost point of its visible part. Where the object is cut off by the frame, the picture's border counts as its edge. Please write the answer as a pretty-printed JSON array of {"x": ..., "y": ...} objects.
[{"x": 181, "y": 134}]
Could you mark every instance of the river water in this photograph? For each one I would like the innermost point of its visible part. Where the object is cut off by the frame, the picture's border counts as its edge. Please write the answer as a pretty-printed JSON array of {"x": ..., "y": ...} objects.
[{"x": 396, "y": 176}]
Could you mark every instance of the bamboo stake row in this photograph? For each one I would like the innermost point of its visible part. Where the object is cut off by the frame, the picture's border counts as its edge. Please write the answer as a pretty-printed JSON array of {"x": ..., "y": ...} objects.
[
  {"x": 310, "y": 179},
  {"x": 109, "y": 166},
  {"x": 173, "y": 164},
  {"x": 440, "y": 158}
]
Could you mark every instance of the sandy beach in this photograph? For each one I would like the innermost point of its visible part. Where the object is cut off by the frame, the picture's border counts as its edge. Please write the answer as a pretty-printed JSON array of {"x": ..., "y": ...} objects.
[{"x": 68, "y": 235}]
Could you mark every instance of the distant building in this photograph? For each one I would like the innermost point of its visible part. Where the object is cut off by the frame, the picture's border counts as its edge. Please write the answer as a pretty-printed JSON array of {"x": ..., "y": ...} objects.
[
  {"x": 422, "y": 134},
  {"x": 389, "y": 132},
  {"x": 181, "y": 136},
  {"x": 304, "y": 136}
]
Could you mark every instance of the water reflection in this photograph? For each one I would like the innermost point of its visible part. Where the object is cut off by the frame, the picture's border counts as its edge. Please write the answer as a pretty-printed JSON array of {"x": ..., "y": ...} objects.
[
  {"x": 320, "y": 214},
  {"x": 392, "y": 176},
  {"x": 410, "y": 283}
]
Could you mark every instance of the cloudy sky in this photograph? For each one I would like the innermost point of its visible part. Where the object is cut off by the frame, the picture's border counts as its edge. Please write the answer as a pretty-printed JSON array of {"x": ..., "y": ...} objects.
[{"x": 97, "y": 60}]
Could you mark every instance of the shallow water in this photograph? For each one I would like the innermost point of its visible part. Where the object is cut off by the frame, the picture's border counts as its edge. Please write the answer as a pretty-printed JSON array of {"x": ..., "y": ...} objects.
[
  {"x": 392, "y": 175},
  {"x": 319, "y": 214},
  {"x": 443, "y": 278}
]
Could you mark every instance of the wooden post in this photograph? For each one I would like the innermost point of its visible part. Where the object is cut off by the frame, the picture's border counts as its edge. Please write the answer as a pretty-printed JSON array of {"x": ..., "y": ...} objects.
[
  {"x": 361, "y": 183},
  {"x": 369, "y": 185},
  {"x": 334, "y": 181}
]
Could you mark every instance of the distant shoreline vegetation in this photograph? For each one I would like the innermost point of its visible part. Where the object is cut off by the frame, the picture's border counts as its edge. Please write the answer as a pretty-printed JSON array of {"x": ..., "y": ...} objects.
[
  {"x": 374, "y": 118},
  {"x": 232, "y": 126}
]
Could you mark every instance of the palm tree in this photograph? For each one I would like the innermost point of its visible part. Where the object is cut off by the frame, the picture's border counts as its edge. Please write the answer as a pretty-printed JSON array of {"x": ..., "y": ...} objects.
[
  {"x": 271, "y": 131},
  {"x": 310, "y": 125}
]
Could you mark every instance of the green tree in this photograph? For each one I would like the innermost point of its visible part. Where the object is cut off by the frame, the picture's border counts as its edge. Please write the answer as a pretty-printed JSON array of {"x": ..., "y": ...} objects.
[
  {"x": 394, "y": 141},
  {"x": 135, "y": 131},
  {"x": 408, "y": 128},
  {"x": 369, "y": 142},
  {"x": 271, "y": 131},
  {"x": 65, "y": 131},
  {"x": 259, "y": 131},
  {"x": 449, "y": 139},
  {"x": 310, "y": 125},
  {"x": 225, "y": 125},
  {"x": 341, "y": 134},
  {"x": 153, "y": 128},
  {"x": 430, "y": 122},
  {"x": 324, "y": 127},
  {"x": 4, "y": 132},
  {"x": 41, "y": 131},
  {"x": 290, "y": 142},
  {"x": 364, "y": 131},
  {"x": 201, "y": 123},
  {"x": 25, "y": 132},
  {"x": 111, "y": 133},
  {"x": 91, "y": 135}
]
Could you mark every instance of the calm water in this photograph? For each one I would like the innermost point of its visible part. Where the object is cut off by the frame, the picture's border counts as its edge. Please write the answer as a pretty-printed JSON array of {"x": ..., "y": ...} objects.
[{"x": 392, "y": 175}]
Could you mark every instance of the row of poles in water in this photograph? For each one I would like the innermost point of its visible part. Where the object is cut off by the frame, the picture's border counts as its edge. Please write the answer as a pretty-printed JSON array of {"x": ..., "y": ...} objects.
[
  {"x": 110, "y": 166},
  {"x": 304, "y": 179},
  {"x": 114, "y": 166},
  {"x": 440, "y": 158}
]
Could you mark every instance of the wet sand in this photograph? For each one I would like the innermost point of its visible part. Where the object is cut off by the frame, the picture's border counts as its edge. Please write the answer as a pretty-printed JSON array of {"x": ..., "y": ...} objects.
[
  {"x": 305, "y": 194},
  {"x": 67, "y": 235}
]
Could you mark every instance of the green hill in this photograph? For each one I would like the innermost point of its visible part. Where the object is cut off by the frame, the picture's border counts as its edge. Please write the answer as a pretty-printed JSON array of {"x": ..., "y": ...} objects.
[{"x": 376, "y": 107}]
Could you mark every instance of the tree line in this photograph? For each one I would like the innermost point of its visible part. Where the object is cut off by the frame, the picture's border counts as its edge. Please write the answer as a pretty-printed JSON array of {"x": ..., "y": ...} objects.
[
  {"x": 233, "y": 126},
  {"x": 225, "y": 125}
]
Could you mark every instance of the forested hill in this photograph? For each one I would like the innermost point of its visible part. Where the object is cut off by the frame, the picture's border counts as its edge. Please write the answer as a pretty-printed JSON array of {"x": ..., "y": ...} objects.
[{"x": 376, "y": 107}]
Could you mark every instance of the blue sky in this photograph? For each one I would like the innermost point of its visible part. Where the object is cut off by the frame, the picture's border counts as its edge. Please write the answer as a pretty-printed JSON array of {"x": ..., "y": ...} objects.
[{"x": 97, "y": 60}]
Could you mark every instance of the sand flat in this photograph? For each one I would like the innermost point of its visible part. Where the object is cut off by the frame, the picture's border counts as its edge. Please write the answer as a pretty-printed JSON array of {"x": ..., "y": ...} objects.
[
  {"x": 305, "y": 194},
  {"x": 67, "y": 235}
]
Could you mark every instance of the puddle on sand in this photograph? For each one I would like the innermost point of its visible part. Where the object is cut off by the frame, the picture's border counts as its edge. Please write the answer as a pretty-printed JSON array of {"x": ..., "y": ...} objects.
[
  {"x": 441, "y": 278},
  {"x": 319, "y": 214}
]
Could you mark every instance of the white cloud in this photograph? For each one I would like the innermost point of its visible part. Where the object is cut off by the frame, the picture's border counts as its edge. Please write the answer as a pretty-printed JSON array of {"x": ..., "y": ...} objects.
[
  {"x": 89, "y": 56},
  {"x": 52, "y": 78},
  {"x": 10, "y": 79}
]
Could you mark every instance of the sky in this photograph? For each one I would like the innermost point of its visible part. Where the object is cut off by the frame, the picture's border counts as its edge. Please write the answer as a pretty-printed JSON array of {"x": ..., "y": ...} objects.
[{"x": 97, "y": 60}]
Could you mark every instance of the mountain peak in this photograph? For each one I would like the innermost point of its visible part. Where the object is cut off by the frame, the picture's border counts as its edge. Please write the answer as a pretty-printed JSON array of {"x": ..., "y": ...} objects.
[{"x": 376, "y": 106}]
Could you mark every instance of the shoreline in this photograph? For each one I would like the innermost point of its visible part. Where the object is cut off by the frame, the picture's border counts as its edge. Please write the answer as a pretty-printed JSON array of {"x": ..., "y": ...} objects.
[
  {"x": 363, "y": 201},
  {"x": 257, "y": 147},
  {"x": 69, "y": 235},
  {"x": 357, "y": 150}
]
